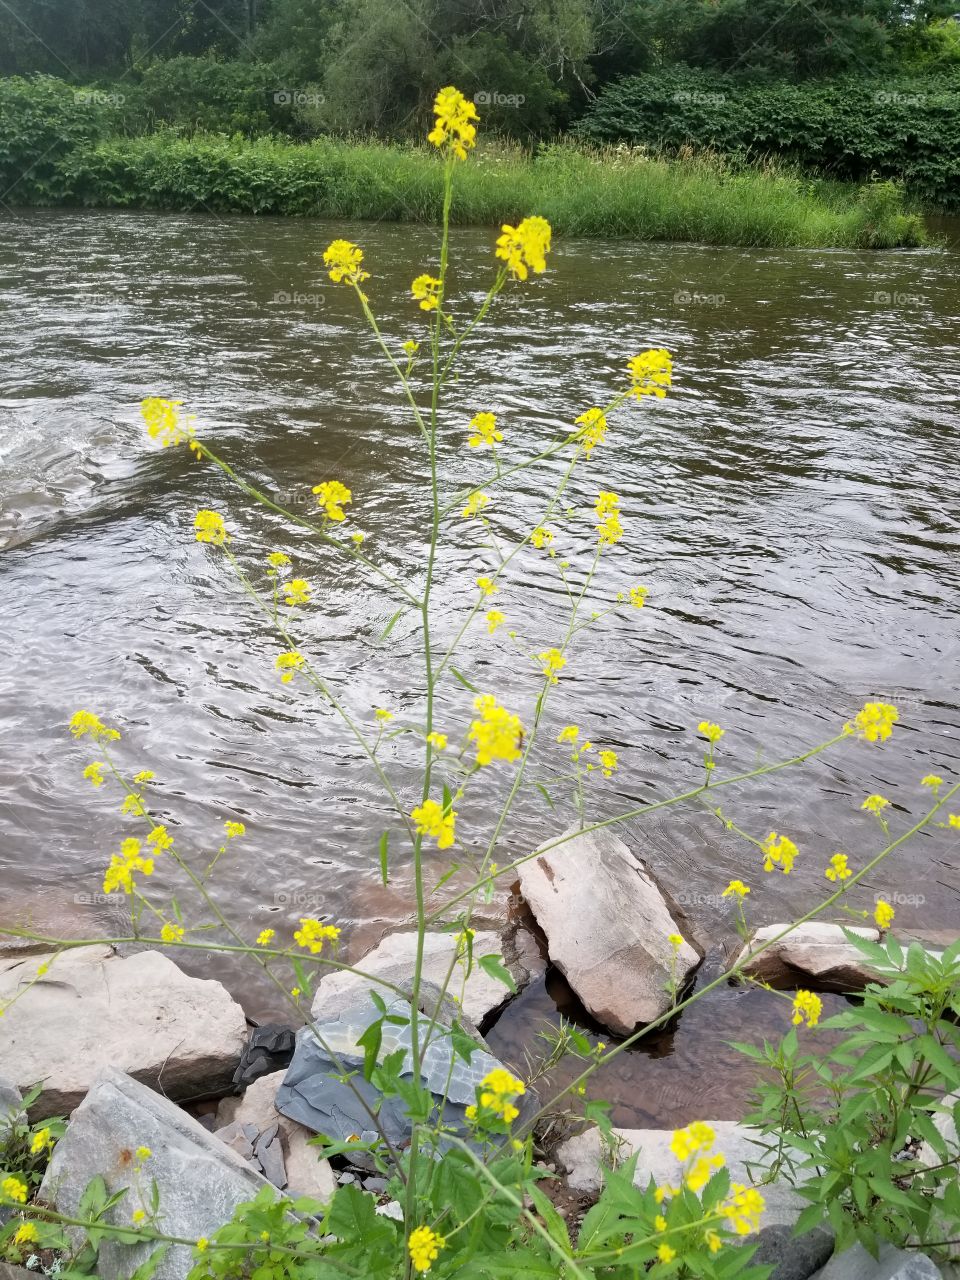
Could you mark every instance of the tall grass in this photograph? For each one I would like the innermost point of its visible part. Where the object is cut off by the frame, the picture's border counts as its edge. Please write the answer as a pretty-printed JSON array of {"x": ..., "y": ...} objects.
[{"x": 608, "y": 192}]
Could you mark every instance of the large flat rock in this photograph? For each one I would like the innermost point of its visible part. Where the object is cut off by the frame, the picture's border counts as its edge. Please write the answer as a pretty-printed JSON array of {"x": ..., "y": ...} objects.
[
  {"x": 581, "y": 1156},
  {"x": 607, "y": 925},
  {"x": 201, "y": 1180},
  {"x": 817, "y": 953},
  {"x": 393, "y": 961},
  {"x": 892, "y": 1264},
  {"x": 141, "y": 1014}
]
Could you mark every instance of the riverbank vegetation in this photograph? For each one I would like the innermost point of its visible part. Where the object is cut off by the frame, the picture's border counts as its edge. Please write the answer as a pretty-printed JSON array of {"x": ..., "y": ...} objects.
[{"x": 59, "y": 151}]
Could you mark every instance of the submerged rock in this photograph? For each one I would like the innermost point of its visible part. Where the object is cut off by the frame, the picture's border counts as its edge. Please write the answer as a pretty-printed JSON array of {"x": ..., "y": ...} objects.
[
  {"x": 393, "y": 960},
  {"x": 607, "y": 925},
  {"x": 815, "y": 952},
  {"x": 141, "y": 1014},
  {"x": 201, "y": 1181}
]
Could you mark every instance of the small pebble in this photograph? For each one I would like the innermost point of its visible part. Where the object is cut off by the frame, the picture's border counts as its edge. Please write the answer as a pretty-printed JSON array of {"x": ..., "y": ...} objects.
[{"x": 346, "y": 1178}]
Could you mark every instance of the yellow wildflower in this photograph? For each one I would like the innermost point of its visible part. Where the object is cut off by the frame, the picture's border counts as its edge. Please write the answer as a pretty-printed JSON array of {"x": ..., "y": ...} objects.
[
  {"x": 14, "y": 1188},
  {"x": 660, "y": 1222},
  {"x": 713, "y": 1242},
  {"x": 933, "y": 781},
  {"x": 411, "y": 347},
  {"x": 297, "y": 591},
  {"x": 651, "y": 373},
  {"x": 497, "y": 733},
  {"x": 594, "y": 429},
  {"x": 83, "y": 722},
  {"x": 541, "y": 537},
  {"x": 552, "y": 662},
  {"x": 569, "y": 733},
  {"x": 953, "y": 819},
  {"x": 202, "y": 1244},
  {"x": 138, "y": 1215},
  {"x": 875, "y": 804},
  {"x": 123, "y": 866},
  {"x": 265, "y": 937},
  {"x": 778, "y": 851},
  {"x": 638, "y": 596},
  {"x": 163, "y": 421},
  {"x": 277, "y": 559},
  {"x": 454, "y": 125},
  {"x": 209, "y": 527},
  {"x": 675, "y": 940},
  {"x": 331, "y": 495},
  {"x": 424, "y": 1246},
  {"x": 487, "y": 586},
  {"x": 234, "y": 829},
  {"x": 608, "y": 762},
  {"x": 524, "y": 248},
  {"x": 42, "y": 1140},
  {"x": 143, "y": 1153},
  {"x": 838, "y": 868},
  {"x": 438, "y": 741},
  {"x": 484, "y": 430},
  {"x": 145, "y": 775},
  {"x": 806, "y": 1006},
  {"x": 712, "y": 732},
  {"x": 883, "y": 914},
  {"x": 475, "y": 504},
  {"x": 26, "y": 1233},
  {"x": 384, "y": 716},
  {"x": 610, "y": 529},
  {"x": 160, "y": 838},
  {"x": 94, "y": 772},
  {"x": 735, "y": 887},
  {"x": 431, "y": 820},
  {"x": 426, "y": 291},
  {"x": 875, "y": 720},
  {"x": 288, "y": 664},
  {"x": 743, "y": 1209},
  {"x": 342, "y": 260},
  {"x": 494, "y": 619},
  {"x": 358, "y": 538},
  {"x": 312, "y": 934},
  {"x": 665, "y": 1253}
]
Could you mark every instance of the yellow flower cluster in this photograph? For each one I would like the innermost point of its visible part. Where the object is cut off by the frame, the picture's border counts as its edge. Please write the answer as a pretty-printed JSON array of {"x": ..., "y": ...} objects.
[
  {"x": 26, "y": 1233},
  {"x": 608, "y": 762},
  {"x": 94, "y": 773},
  {"x": 875, "y": 721},
  {"x": 712, "y": 732},
  {"x": 438, "y": 741},
  {"x": 638, "y": 596},
  {"x": 42, "y": 1141},
  {"x": 484, "y": 430},
  {"x": 265, "y": 937},
  {"x": 778, "y": 851},
  {"x": 883, "y": 914},
  {"x": 454, "y": 126},
  {"x": 234, "y": 829},
  {"x": 495, "y": 619},
  {"x": 496, "y": 733},
  {"x": 875, "y": 804},
  {"x": 14, "y": 1188},
  {"x": 431, "y": 820},
  {"x": 524, "y": 248},
  {"x": 159, "y": 837},
  {"x": 496, "y": 1091},
  {"x": 743, "y": 1209},
  {"x": 123, "y": 866},
  {"x": 736, "y": 888},
  {"x": 552, "y": 663},
  {"x": 297, "y": 591},
  {"x": 209, "y": 527},
  {"x": 342, "y": 260},
  {"x": 331, "y": 495},
  {"x": 594, "y": 429},
  {"x": 607, "y": 508},
  {"x": 838, "y": 869},
  {"x": 541, "y": 537},
  {"x": 651, "y": 373},
  {"x": 426, "y": 291},
  {"x": 424, "y": 1246},
  {"x": 806, "y": 1006},
  {"x": 288, "y": 664},
  {"x": 312, "y": 934},
  {"x": 487, "y": 586},
  {"x": 693, "y": 1147},
  {"x": 171, "y": 932},
  {"x": 475, "y": 504},
  {"x": 84, "y": 722},
  {"x": 164, "y": 423},
  {"x": 278, "y": 559}
]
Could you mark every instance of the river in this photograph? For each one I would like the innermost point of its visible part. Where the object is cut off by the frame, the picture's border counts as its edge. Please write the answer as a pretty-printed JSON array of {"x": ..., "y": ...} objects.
[{"x": 793, "y": 508}]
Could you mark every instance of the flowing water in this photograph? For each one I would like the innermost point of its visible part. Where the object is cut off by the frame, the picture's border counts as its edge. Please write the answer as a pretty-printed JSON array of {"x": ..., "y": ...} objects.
[{"x": 793, "y": 507}]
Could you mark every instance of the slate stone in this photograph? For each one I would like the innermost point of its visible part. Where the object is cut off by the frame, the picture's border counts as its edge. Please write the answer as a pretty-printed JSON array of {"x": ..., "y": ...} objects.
[
  {"x": 11, "y": 1102},
  {"x": 792, "y": 1257},
  {"x": 269, "y": 1049},
  {"x": 268, "y": 1153},
  {"x": 313, "y": 1094},
  {"x": 201, "y": 1181},
  {"x": 893, "y": 1264}
]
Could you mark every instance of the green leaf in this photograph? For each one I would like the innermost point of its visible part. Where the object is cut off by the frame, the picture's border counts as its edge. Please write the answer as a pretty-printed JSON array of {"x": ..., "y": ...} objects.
[
  {"x": 463, "y": 680},
  {"x": 384, "y": 841},
  {"x": 370, "y": 1042},
  {"x": 545, "y": 793},
  {"x": 393, "y": 621},
  {"x": 555, "y": 1225},
  {"x": 493, "y": 967}
]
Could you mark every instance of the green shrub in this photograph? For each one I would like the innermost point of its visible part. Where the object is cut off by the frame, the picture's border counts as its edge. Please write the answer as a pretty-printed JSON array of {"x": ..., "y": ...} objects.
[{"x": 852, "y": 129}]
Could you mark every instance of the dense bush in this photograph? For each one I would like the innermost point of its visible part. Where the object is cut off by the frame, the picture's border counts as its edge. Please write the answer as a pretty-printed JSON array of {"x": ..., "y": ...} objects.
[{"x": 853, "y": 128}]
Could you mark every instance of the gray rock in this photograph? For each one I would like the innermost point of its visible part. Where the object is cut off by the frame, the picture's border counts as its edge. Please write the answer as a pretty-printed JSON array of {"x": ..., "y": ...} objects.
[
  {"x": 313, "y": 1093},
  {"x": 346, "y": 1178},
  {"x": 376, "y": 1185},
  {"x": 815, "y": 952},
  {"x": 792, "y": 1257},
  {"x": 140, "y": 1014},
  {"x": 307, "y": 1173},
  {"x": 393, "y": 962},
  {"x": 268, "y": 1153},
  {"x": 11, "y": 1100},
  {"x": 893, "y": 1264},
  {"x": 201, "y": 1180},
  {"x": 581, "y": 1157},
  {"x": 9, "y": 1272},
  {"x": 607, "y": 925},
  {"x": 233, "y": 1136}
]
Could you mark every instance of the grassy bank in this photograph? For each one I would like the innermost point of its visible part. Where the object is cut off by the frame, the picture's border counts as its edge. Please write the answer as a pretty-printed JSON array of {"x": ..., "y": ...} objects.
[{"x": 587, "y": 193}]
